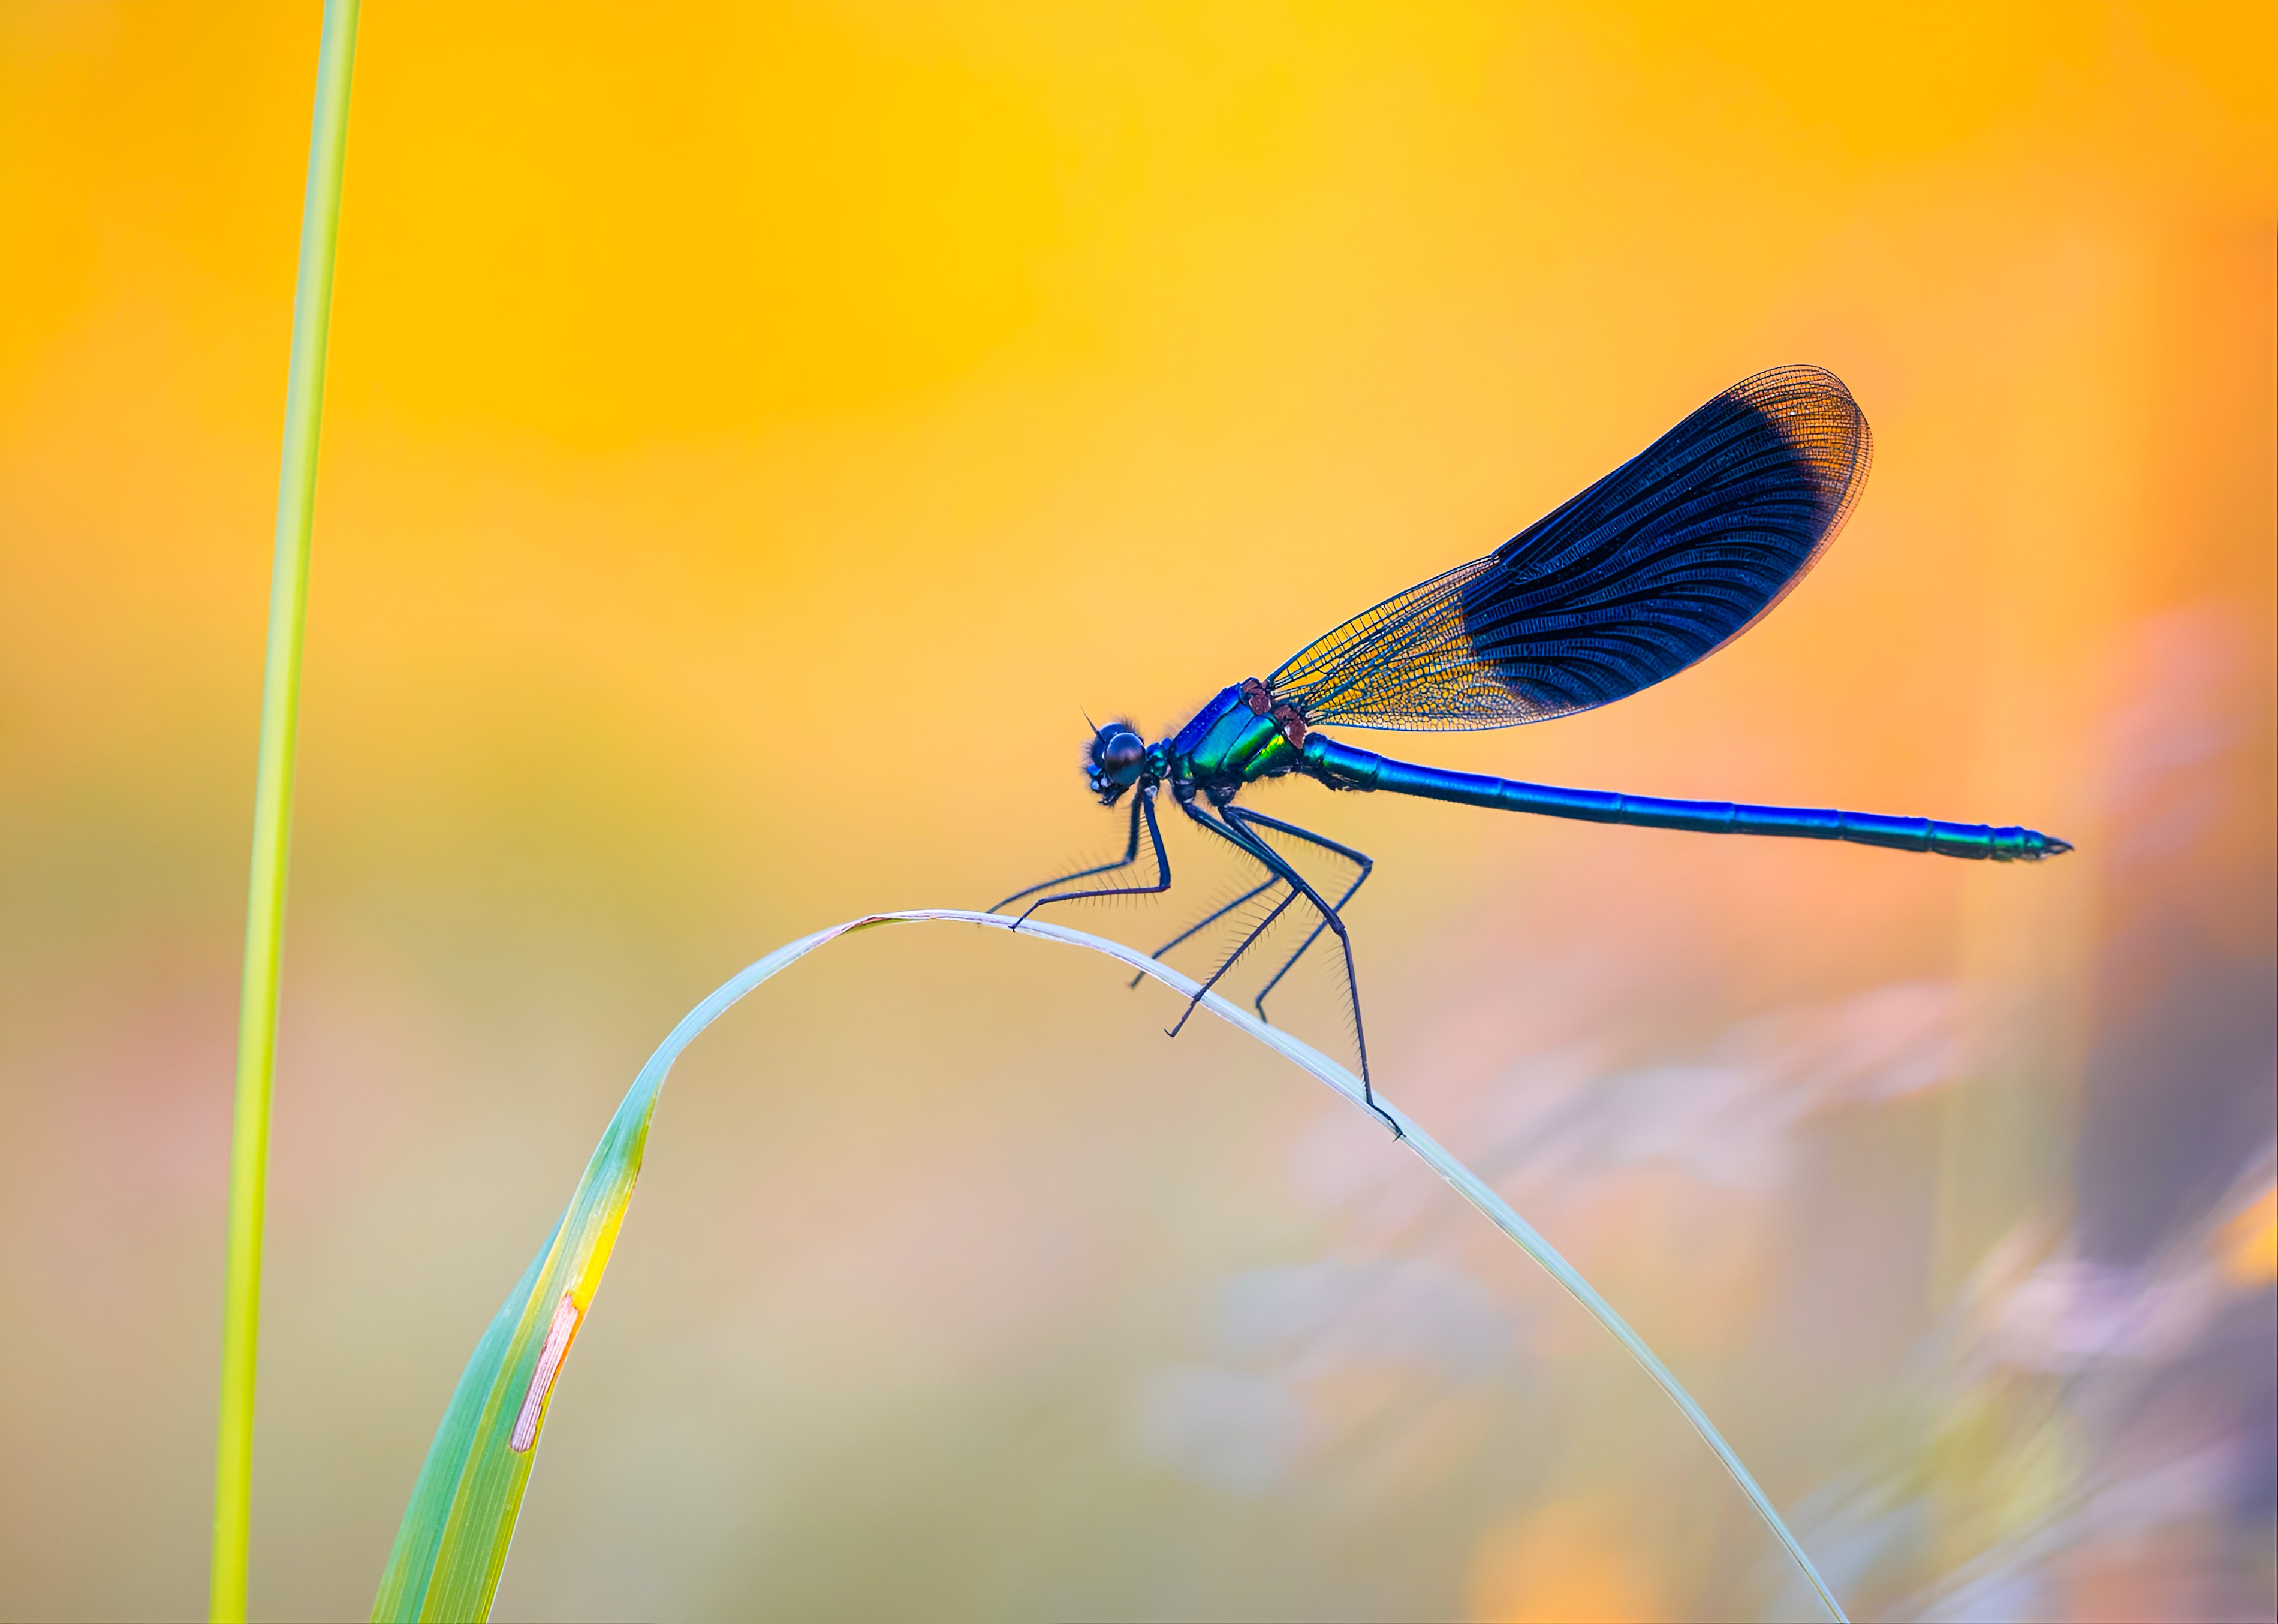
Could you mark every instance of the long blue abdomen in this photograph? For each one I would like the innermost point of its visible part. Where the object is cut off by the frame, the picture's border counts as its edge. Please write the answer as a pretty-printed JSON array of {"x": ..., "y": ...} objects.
[{"x": 1345, "y": 767}]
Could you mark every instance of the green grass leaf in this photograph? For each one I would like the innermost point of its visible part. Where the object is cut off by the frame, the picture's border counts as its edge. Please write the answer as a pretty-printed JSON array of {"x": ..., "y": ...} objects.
[
  {"x": 272, "y": 814},
  {"x": 452, "y": 1546}
]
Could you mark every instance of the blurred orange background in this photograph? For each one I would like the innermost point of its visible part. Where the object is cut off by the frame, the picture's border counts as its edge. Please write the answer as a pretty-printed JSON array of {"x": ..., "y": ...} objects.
[{"x": 756, "y": 436}]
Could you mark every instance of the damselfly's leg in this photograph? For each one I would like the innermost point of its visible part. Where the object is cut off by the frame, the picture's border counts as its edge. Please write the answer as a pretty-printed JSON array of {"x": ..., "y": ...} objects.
[
  {"x": 1130, "y": 851},
  {"x": 1240, "y": 948},
  {"x": 1366, "y": 864},
  {"x": 1145, "y": 805},
  {"x": 1208, "y": 919},
  {"x": 1243, "y": 840}
]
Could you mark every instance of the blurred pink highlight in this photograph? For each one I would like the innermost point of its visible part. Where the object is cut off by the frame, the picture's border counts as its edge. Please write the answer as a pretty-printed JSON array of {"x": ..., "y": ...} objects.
[{"x": 542, "y": 1380}]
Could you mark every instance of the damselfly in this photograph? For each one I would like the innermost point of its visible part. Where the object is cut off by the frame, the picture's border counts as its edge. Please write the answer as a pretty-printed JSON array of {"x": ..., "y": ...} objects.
[{"x": 1660, "y": 563}]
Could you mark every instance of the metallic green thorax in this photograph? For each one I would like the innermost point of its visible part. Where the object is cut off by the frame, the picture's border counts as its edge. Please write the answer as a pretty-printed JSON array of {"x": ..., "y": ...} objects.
[{"x": 1228, "y": 745}]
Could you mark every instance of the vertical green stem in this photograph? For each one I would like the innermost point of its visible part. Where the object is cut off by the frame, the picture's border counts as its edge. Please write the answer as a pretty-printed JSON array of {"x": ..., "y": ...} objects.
[{"x": 272, "y": 811}]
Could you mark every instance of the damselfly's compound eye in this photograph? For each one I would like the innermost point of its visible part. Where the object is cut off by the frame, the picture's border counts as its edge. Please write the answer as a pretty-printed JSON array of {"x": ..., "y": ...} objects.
[
  {"x": 1114, "y": 759},
  {"x": 1123, "y": 752}
]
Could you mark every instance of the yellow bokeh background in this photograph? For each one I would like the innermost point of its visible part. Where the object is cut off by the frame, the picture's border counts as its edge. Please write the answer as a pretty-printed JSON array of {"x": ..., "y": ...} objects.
[{"x": 755, "y": 436}]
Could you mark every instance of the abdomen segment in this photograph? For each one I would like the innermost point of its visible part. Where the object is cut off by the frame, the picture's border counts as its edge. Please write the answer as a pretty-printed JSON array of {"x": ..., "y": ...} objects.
[{"x": 1344, "y": 767}]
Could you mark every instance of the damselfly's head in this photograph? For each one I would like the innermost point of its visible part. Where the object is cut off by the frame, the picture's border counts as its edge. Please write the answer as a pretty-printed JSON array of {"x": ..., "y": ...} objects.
[{"x": 1114, "y": 760}]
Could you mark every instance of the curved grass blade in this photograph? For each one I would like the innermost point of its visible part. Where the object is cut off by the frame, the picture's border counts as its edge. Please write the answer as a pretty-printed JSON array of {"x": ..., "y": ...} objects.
[{"x": 451, "y": 1548}]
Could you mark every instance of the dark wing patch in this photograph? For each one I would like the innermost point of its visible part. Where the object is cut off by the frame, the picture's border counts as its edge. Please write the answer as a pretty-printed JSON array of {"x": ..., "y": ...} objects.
[{"x": 1658, "y": 564}]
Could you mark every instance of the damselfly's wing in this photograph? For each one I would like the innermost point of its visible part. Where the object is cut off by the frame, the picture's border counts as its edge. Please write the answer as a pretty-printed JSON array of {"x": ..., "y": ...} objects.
[{"x": 1660, "y": 563}]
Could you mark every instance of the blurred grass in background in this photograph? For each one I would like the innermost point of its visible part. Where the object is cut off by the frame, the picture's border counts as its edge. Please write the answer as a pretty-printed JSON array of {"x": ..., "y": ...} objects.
[{"x": 752, "y": 436}]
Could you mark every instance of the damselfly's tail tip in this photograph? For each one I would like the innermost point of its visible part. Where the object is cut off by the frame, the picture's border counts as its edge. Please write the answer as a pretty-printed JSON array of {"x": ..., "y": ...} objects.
[{"x": 2051, "y": 847}]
